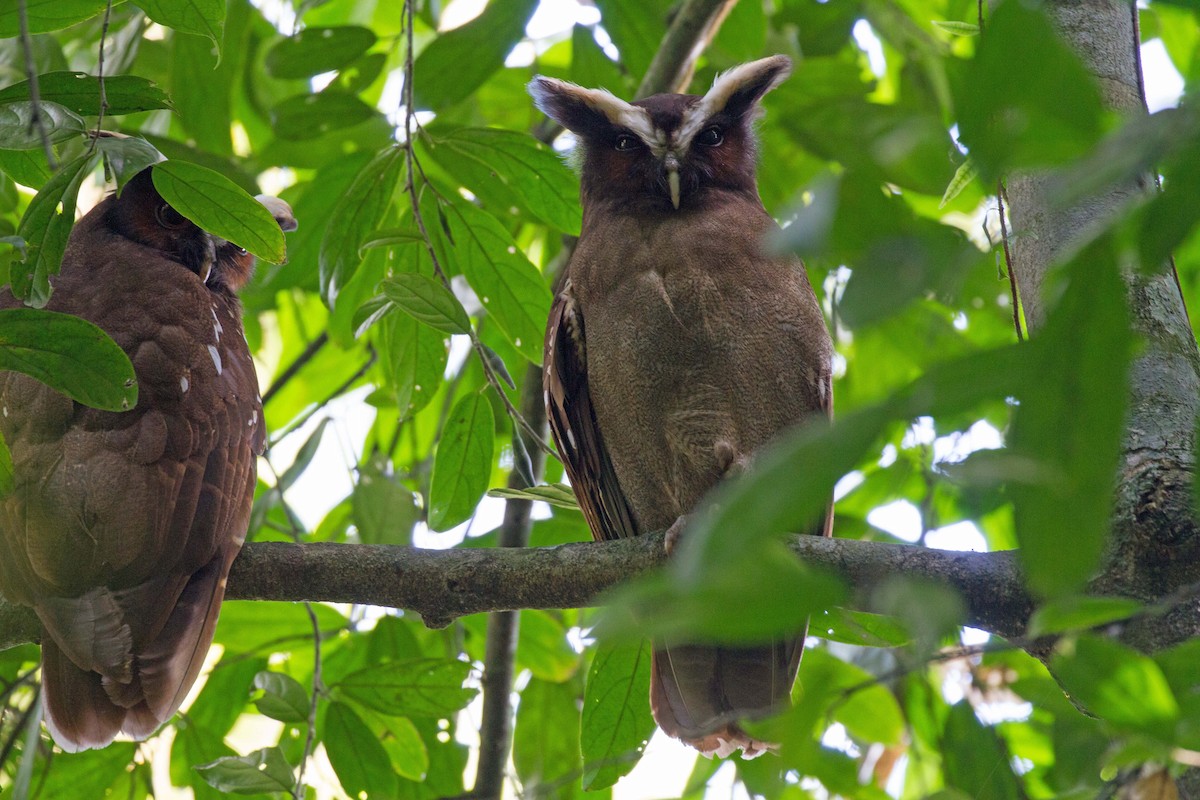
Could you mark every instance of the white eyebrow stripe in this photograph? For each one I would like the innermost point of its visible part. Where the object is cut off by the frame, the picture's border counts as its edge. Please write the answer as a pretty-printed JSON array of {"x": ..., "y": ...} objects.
[{"x": 618, "y": 112}]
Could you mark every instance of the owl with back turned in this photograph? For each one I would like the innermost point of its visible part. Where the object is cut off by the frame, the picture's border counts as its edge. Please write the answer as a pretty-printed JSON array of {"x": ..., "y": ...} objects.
[
  {"x": 678, "y": 346},
  {"x": 120, "y": 528}
]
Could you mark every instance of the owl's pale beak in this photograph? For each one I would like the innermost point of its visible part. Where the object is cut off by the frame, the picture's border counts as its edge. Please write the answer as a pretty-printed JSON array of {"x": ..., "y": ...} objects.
[{"x": 671, "y": 165}]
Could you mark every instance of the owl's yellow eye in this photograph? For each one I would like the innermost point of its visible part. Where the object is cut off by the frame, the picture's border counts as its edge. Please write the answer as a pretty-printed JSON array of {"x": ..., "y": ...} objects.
[
  {"x": 710, "y": 137},
  {"x": 626, "y": 142}
]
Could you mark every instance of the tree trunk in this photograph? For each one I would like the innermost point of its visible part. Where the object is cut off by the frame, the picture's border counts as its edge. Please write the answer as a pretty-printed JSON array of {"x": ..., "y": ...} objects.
[{"x": 1154, "y": 549}]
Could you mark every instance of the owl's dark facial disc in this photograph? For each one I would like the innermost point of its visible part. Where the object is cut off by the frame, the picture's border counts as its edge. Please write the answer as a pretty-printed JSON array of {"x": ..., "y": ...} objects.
[{"x": 662, "y": 153}]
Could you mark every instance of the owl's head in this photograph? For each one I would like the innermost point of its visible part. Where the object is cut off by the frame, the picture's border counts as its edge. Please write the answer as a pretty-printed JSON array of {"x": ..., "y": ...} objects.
[
  {"x": 669, "y": 150},
  {"x": 141, "y": 214}
]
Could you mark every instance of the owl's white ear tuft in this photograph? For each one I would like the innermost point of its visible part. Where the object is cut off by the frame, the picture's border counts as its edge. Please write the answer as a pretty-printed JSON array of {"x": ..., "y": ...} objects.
[
  {"x": 588, "y": 112},
  {"x": 735, "y": 92}
]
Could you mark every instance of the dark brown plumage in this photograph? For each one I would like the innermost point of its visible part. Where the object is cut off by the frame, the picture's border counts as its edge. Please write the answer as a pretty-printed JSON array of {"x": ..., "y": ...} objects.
[
  {"x": 677, "y": 347},
  {"x": 121, "y": 527}
]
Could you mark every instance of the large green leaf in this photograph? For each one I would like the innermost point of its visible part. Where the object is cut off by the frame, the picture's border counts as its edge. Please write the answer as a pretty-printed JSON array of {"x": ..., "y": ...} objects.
[
  {"x": 976, "y": 761},
  {"x": 427, "y": 300},
  {"x": 458, "y": 61},
  {"x": 307, "y": 116},
  {"x": 415, "y": 688},
  {"x": 47, "y": 15},
  {"x": 69, "y": 354},
  {"x": 546, "y": 739},
  {"x": 201, "y": 17},
  {"x": 56, "y": 124},
  {"x": 46, "y": 227},
  {"x": 616, "y": 723},
  {"x": 509, "y": 286},
  {"x": 360, "y": 761},
  {"x": 264, "y": 770},
  {"x": 1039, "y": 109},
  {"x": 514, "y": 168},
  {"x": 80, "y": 92},
  {"x": 1066, "y": 436},
  {"x": 221, "y": 207},
  {"x": 315, "y": 50},
  {"x": 359, "y": 212},
  {"x": 463, "y": 462},
  {"x": 1117, "y": 684}
]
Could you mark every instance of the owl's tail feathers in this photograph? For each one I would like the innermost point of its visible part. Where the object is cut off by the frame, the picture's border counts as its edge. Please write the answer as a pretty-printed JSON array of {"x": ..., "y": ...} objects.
[
  {"x": 85, "y": 710},
  {"x": 79, "y": 714},
  {"x": 169, "y": 665},
  {"x": 699, "y": 693}
]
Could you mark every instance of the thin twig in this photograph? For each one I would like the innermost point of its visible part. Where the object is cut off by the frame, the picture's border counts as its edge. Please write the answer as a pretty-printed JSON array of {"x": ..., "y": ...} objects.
[
  {"x": 35, "y": 97},
  {"x": 411, "y": 164},
  {"x": 1008, "y": 264},
  {"x": 310, "y": 351},
  {"x": 345, "y": 385},
  {"x": 310, "y": 738},
  {"x": 100, "y": 76}
]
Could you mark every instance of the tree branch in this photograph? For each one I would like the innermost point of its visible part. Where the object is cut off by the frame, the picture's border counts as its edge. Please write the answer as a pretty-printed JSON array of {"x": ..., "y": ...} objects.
[{"x": 442, "y": 585}]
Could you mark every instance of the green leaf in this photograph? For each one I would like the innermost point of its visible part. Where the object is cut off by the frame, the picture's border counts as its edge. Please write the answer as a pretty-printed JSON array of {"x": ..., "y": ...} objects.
[
  {"x": 126, "y": 156},
  {"x": 1040, "y": 109},
  {"x": 17, "y": 131},
  {"x": 417, "y": 356},
  {"x": 304, "y": 457},
  {"x": 457, "y": 62},
  {"x": 47, "y": 15},
  {"x": 80, "y": 92},
  {"x": 1118, "y": 684},
  {"x": 307, "y": 116},
  {"x": 509, "y": 286},
  {"x": 956, "y": 27},
  {"x": 412, "y": 688},
  {"x": 201, "y": 17},
  {"x": 68, "y": 354},
  {"x": 860, "y": 628},
  {"x": 543, "y": 649},
  {"x": 546, "y": 739},
  {"x": 462, "y": 464},
  {"x": 221, "y": 207},
  {"x": 263, "y": 770},
  {"x": 249, "y": 627},
  {"x": 522, "y": 170},
  {"x": 1079, "y": 613},
  {"x": 636, "y": 28},
  {"x": 46, "y": 227},
  {"x": 558, "y": 495},
  {"x": 1068, "y": 428},
  {"x": 406, "y": 749},
  {"x": 963, "y": 176},
  {"x": 976, "y": 761},
  {"x": 360, "y": 761},
  {"x": 316, "y": 50},
  {"x": 283, "y": 697},
  {"x": 390, "y": 237},
  {"x": 616, "y": 724},
  {"x": 427, "y": 300},
  {"x": 356, "y": 215},
  {"x": 384, "y": 510}
]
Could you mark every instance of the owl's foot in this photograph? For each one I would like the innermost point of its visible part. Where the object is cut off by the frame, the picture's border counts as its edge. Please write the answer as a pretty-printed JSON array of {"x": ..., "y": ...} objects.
[
  {"x": 675, "y": 532},
  {"x": 730, "y": 462}
]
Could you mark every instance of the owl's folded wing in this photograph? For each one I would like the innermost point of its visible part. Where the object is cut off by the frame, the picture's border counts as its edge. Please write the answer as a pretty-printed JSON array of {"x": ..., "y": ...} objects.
[{"x": 573, "y": 423}]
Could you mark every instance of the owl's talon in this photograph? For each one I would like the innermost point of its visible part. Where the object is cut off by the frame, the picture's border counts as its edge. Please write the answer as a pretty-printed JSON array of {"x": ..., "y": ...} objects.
[{"x": 674, "y": 533}]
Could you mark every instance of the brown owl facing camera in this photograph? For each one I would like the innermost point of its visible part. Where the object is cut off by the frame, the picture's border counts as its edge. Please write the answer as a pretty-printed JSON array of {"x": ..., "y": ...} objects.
[{"x": 678, "y": 346}]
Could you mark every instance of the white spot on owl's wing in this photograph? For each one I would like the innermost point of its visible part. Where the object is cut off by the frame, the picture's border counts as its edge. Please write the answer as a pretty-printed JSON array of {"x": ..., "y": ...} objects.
[
  {"x": 183, "y": 384},
  {"x": 216, "y": 357}
]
